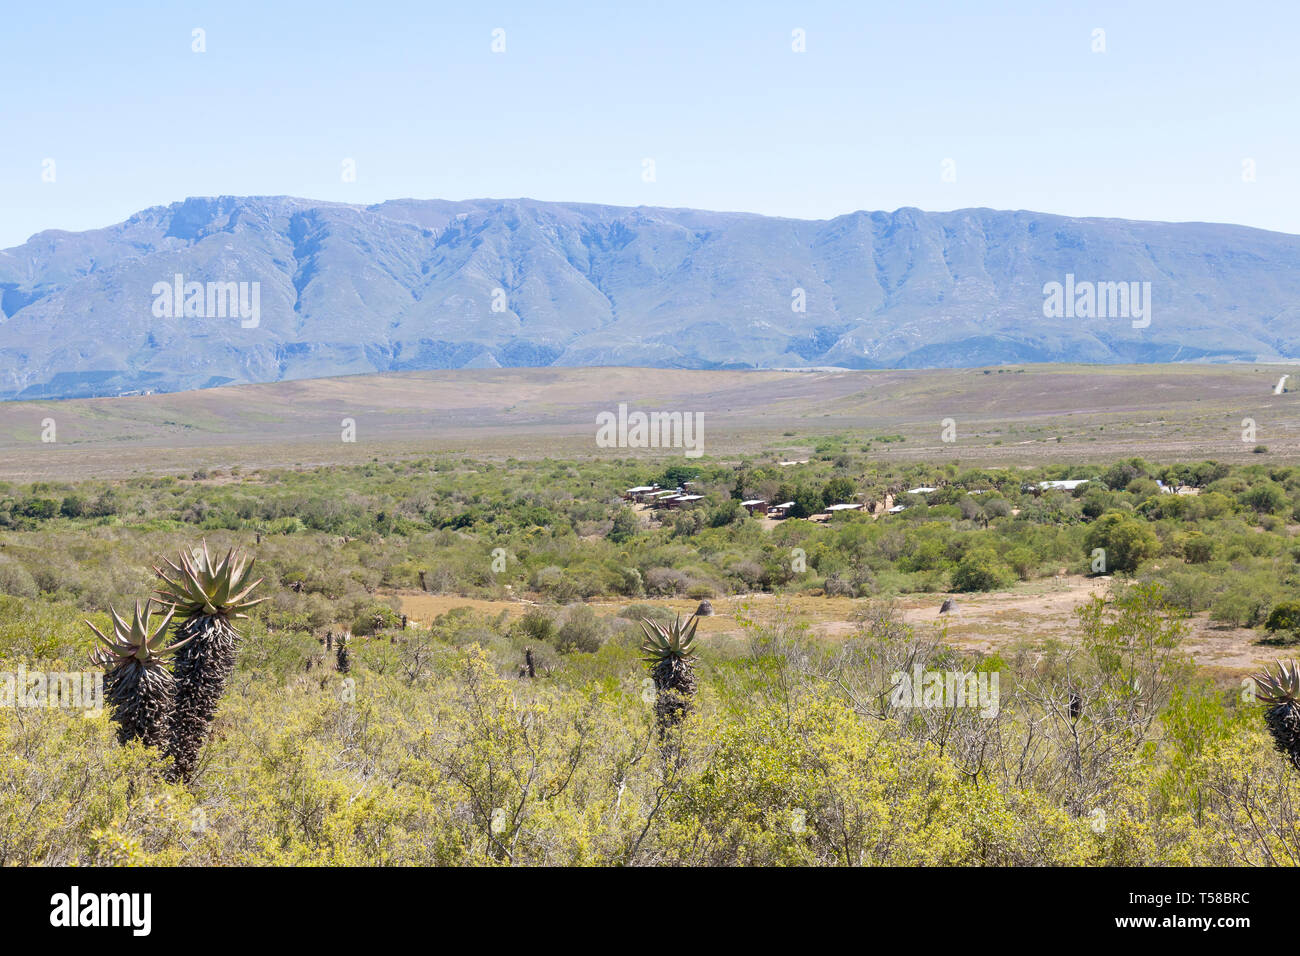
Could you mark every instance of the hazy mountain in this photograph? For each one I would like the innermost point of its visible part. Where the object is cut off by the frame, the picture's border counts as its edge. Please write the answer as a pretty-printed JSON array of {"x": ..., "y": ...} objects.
[{"x": 412, "y": 284}]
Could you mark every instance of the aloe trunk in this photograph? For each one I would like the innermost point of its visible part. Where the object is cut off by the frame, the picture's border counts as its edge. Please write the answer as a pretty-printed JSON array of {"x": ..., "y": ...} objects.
[{"x": 207, "y": 596}]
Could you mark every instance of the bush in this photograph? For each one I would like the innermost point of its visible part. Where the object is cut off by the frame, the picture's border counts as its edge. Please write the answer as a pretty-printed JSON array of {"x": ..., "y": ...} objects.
[
  {"x": 39, "y": 508},
  {"x": 1264, "y": 498},
  {"x": 979, "y": 570},
  {"x": 629, "y": 583},
  {"x": 375, "y": 618},
  {"x": 1126, "y": 541},
  {"x": 536, "y": 626},
  {"x": 1198, "y": 549},
  {"x": 1023, "y": 562},
  {"x": 1283, "y": 623},
  {"x": 581, "y": 631},
  {"x": 16, "y": 579},
  {"x": 666, "y": 582},
  {"x": 1240, "y": 606},
  {"x": 626, "y": 525}
]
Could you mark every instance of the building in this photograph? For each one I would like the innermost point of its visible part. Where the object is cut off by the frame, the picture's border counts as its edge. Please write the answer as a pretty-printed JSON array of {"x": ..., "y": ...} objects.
[
  {"x": 683, "y": 501},
  {"x": 781, "y": 510},
  {"x": 851, "y": 506},
  {"x": 638, "y": 494},
  {"x": 755, "y": 506},
  {"x": 1069, "y": 485}
]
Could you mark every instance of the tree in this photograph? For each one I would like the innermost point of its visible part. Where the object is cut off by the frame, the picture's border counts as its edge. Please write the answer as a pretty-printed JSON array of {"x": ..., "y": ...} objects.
[
  {"x": 837, "y": 491},
  {"x": 1284, "y": 622},
  {"x": 979, "y": 570},
  {"x": 807, "y": 501},
  {"x": 1121, "y": 473},
  {"x": 1265, "y": 498},
  {"x": 626, "y": 525},
  {"x": 1198, "y": 548},
  {"x": 1127, "y": 542},
  {"x": 676, "y": 475}
]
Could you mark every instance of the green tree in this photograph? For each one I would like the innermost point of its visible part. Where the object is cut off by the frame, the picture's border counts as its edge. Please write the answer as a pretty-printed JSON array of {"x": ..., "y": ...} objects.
[
  {"x": 1127, "y": 542},
  {"x": 838, "y": 490},
  {"x": 1267, "y": 497},
  {"x": 626, "y": 525},
  {"x": 807, "y": 501},
  {"x": 676, "y": 475},
  {"x": 979, "y": 570},
  {"x": 1283, "y": 622}
]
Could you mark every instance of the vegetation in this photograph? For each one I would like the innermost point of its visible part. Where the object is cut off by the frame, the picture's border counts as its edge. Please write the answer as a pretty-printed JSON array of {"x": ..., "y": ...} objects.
[
  {"x": 670, "y": 653},
  {"x": 482, "y": 737},
  {"x": 137, "y": 682},
  {"x": 1280, "y": 690},
  {"x": 205, "y": 596}
]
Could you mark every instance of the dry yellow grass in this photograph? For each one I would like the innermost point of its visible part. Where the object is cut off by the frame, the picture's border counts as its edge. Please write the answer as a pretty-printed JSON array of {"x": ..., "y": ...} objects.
[{"x": 1011, "y": 416}]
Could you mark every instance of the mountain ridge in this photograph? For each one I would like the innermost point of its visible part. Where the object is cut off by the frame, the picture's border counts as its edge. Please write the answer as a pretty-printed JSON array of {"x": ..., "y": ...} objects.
[{"x": 348, "y": 288}]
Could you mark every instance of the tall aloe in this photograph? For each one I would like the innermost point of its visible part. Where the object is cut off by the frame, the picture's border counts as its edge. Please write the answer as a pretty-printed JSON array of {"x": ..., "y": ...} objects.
[
  {"x": 670, "y": 650},
  {"x": 1280, "y": 690},
  {"x": 206, "y": 598},
  {"x": 137, "y": 683}
]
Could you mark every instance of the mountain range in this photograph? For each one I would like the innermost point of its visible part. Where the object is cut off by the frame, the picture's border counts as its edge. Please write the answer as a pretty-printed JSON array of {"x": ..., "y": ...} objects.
[{"x": 430, "y": 284}]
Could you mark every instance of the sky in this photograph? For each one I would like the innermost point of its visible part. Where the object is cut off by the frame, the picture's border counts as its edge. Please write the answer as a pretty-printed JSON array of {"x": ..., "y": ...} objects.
[{"x": 1189, "y": 113}]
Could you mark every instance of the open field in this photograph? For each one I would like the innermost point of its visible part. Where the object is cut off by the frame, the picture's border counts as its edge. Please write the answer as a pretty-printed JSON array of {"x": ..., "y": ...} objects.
[
  {"x": 993, "y": 622},
  {"x": 1005, "y": 416}
]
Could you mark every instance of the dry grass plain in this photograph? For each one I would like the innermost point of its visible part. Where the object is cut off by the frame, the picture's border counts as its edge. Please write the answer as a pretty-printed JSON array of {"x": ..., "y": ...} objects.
[
  {"x": 1026, "y": 616},
  {"x": 1023, "y": 415}
]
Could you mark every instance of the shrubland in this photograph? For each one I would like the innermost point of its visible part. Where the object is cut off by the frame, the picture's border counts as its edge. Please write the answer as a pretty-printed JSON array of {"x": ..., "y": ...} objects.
[{"x": 435, "y": 746}]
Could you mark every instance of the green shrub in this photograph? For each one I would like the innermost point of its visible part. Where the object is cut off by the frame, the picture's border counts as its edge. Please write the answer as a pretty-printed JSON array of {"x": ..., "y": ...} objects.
[
  {"x": 15, "y": 579},
  {"x": 979, "y": 570},
  {"x": 375, "y": 618},
  {"x": 1283, "y": 623},
  {"x": 536, "y": 626},
  {"x": 1127, "y": 541},
  {"x": 581, "y": 631},
  {"x": 1198, "y": 548}
]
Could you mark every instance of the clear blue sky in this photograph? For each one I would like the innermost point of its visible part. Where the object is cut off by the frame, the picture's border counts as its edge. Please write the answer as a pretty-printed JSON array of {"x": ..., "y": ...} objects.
[{"x": 1157, "y": 127}]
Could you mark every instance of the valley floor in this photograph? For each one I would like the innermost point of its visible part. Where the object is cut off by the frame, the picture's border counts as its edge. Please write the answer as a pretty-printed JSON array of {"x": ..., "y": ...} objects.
[{"x": 1024, "y": 616}]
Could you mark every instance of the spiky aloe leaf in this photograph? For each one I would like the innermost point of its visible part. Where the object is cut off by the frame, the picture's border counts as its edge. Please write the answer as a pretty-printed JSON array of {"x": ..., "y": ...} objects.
[
  {"x": 135, "y": 639},
  {"x": 1283, "y": 716},
  {"x": 676, "y": 640},
  {"x": 137, "y": 684},
  {"x": 207, "y": 595},
  {"x": 1279, "y": 687},
  {"x": 197, "y": 585},
  {"x": 671, "y": 650}
]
